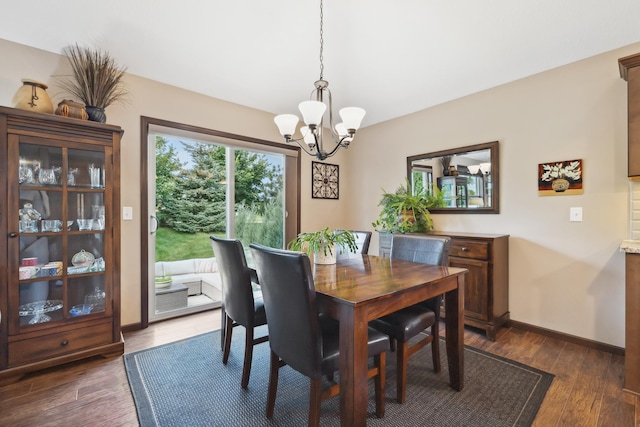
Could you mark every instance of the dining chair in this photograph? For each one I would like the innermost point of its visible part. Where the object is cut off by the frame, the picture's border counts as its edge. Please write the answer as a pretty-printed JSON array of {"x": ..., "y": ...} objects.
[
  {"x": 301, "y": 337},
  {"x": 405, "y": 324},
  {"x": 240, "y": 306},
  {"x": 363, "y": 239}
]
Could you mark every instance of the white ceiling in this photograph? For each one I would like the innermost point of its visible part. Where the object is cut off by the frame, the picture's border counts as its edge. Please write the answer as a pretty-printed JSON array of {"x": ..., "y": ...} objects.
[{"x": 389, "y": 57}]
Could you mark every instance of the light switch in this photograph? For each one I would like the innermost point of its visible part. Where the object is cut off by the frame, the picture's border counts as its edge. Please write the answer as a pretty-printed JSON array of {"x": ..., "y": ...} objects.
[
  {"x": 127, "y": 213},
  {"x": 575, "y": 214}
]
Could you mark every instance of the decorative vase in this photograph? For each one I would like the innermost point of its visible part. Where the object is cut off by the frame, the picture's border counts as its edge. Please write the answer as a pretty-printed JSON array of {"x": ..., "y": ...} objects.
[
  {"x": 560, "y": 185},
  {"x": 68, "y": 108},
  {"x": 96, "y": 114},
  {"x": 33, "y": 96}
]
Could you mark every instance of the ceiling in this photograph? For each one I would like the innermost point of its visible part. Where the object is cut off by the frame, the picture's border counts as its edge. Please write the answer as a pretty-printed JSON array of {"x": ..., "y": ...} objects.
[{"x": 391, "y": 58}]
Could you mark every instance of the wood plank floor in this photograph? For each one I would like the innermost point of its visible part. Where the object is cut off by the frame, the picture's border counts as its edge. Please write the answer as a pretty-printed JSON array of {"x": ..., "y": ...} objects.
[{"x": 587, "y": 389}]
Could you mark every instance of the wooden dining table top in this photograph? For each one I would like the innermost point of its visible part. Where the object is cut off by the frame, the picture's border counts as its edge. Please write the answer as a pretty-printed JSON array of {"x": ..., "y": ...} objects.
[{"x": 360, "y": 279}]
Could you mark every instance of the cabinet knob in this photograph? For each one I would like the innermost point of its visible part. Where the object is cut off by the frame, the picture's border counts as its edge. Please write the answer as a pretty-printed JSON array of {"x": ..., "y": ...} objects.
[
  {"x": 13, "y": 235},
  {"x": 64, "y": 343},
  {"x": 465, "y": 249}
]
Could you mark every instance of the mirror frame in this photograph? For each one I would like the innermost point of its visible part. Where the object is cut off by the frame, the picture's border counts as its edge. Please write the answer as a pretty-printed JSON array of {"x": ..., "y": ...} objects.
[{"x": 493, "y": 147}]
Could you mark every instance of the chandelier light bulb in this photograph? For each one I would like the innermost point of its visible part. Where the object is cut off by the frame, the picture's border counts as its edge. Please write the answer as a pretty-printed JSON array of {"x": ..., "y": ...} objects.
[
  {"x": 312, "y": 112},
  {"x": 473, "y": 169},
  {"x": 286, "y": 123},
  {"x": 307, "y": 134},
  {"x": 352, "y": 117}
]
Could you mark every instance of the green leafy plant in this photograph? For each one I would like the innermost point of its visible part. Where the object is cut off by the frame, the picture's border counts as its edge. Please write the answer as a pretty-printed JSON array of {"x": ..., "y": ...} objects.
[
  {"x": 404, "y": 211},
  {"x": 96, "y": 79},
  {"x": 323, "y": 241}
]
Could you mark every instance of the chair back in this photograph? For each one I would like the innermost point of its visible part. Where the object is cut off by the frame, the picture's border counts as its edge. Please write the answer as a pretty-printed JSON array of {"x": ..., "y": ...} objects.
[
  {"x": 363, "y": 238},
  {"x": 433, "y": 250},
  {"x": 235, "y": 275},
  {"x": 290, "y": 304}
]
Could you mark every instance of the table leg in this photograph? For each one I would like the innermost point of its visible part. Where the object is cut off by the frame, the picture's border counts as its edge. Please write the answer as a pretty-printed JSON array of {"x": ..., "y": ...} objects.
[
  {"x": 454, "y": 312},
  {"x": 353, "y": 367}
]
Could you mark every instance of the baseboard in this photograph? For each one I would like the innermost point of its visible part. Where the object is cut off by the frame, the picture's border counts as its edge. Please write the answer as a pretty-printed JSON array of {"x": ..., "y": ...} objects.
[
  {"x": 132, "y": 327},
  {"x": 566, "y": 337}
]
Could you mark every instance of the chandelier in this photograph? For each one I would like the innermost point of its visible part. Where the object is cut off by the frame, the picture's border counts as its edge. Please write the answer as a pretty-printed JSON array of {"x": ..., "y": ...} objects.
[{"x": 313, "y": 112}]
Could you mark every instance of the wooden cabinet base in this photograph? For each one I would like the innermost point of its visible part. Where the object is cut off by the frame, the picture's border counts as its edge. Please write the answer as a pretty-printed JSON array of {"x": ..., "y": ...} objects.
[
  {"x": 486, "y": 289},
  {"x": 11, "y": 375},
  {"x": 491, "y": 328}
]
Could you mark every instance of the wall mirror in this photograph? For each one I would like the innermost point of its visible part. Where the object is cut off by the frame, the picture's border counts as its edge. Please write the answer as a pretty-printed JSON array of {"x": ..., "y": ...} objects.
[{"x": 466, "y": 176}]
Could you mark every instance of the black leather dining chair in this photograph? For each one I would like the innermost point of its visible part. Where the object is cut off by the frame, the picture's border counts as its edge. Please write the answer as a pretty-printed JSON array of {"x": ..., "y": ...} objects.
[
  {"x": 363, "y": 239},
  {"x": 299, "y": 336},
  {"x": 407, "y": 323},
  {"x": 238, "y": 302}
]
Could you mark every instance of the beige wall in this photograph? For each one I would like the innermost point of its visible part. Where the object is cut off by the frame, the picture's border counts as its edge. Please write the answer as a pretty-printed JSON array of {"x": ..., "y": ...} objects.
[
  {"x": 564, "y": 276},
  {"x": 153, "y": 99}
]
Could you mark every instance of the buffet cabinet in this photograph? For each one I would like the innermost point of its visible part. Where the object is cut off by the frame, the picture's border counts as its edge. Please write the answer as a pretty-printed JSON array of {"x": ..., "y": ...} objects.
[
  {"x": 486, "y": 291},
  {"x": 59, "y": 241}
]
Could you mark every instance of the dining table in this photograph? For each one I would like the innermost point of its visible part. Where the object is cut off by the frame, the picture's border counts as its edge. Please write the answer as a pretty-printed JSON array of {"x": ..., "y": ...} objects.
[{"x": 360, "y": 288}]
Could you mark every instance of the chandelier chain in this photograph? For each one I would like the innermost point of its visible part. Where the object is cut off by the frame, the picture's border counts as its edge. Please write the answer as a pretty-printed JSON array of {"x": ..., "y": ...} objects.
[{"x": 321, "y": 42}]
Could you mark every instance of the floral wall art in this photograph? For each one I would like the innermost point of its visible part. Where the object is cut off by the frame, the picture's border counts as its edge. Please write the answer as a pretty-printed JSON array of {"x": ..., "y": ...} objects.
[{"x": 560, "y": 178}]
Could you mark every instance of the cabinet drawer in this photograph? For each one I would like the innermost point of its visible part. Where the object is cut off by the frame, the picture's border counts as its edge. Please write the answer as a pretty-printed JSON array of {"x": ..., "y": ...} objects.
[
  {"x": 469, "y": 249},
  {"x": 45, "y": 347}
]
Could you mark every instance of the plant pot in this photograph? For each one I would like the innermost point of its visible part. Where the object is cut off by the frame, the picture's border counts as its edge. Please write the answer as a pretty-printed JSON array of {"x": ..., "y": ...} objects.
[
  {"x": 96, "y": 114},
  {"x": 33, "y": 96},
  {"x": 330, "y": 258},
  {"x": 560, "y": 185}
]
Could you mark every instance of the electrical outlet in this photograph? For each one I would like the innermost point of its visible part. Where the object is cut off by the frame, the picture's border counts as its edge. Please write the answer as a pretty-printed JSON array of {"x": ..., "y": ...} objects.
[
  {"x": 575, "y": 214},
  {"x": 127, "y": 213}
]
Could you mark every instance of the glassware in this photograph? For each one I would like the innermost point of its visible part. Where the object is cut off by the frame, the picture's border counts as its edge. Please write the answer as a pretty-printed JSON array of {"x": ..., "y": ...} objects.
[
  {"x": 71, "y": 176},
  {"x": 25, "y": 174},
  {"x": 94, "y": 176},
  {"x": 95, "y": 300},
  {"x": 47, "y": 176}
]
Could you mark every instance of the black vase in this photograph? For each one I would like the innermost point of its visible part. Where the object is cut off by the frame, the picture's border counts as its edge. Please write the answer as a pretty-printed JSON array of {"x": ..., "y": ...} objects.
[{"x": 96, "y": 114}]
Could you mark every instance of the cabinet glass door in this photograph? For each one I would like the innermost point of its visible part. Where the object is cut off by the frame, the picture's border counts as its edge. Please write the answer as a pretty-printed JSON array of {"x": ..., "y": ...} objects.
[{"x": 59, "y": 213}]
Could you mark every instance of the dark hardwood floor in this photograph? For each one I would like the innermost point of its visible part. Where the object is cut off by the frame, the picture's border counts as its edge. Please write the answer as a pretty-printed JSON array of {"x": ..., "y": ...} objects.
[{"x": 587, "y": 389}]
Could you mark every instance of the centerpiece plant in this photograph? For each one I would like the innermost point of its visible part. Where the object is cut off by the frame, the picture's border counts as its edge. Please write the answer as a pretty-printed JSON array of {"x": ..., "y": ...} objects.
[
  {"x": 406, "y": 211},
  {"x": 324, "y": 244}
]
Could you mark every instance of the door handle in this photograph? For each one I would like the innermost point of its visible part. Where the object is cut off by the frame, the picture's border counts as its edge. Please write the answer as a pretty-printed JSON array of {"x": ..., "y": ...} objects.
[{"x": 154, "y": 224}]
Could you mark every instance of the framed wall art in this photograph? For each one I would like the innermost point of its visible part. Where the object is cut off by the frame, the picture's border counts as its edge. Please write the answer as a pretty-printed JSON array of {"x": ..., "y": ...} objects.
[
  {"x": 324, "y": 181},
  {"x": 560, "y": 178}
]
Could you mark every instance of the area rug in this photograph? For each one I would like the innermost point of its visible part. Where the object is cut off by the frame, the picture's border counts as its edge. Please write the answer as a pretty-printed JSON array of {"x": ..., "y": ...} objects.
[{"x": 185, "y": 384}]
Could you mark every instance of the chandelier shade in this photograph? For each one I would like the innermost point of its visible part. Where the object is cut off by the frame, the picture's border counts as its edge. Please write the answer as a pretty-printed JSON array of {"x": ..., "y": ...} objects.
[{"x": 313, "y": 113}]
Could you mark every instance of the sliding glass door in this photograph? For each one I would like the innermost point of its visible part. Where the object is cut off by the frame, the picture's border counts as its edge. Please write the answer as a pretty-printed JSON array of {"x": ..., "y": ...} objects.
[{"x": 198, "y": 188}]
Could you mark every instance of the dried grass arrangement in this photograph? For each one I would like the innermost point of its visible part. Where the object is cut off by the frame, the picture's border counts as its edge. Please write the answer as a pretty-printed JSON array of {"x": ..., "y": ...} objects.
[{"x": 96, "y": 78}]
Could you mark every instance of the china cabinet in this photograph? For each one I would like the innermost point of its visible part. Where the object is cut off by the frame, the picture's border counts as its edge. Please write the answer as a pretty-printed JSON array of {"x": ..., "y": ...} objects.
[
  {"x": 60, "y": 238},
  {"x": 486, "y": 289}
]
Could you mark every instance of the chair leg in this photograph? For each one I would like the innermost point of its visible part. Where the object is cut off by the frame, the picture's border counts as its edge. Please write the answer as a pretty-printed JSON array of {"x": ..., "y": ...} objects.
[
  {"x": 274, "y": 367},
  {"x": 248, "y": 356},
  {"x": 227, "y": 339},
  {"x": 435, "y": 346},
  {"x": 315, "y": 397},
  {"x": 380, "y": 383},
  {"x": 223, "y": 326},
  {"x": 402, "y": 360}
]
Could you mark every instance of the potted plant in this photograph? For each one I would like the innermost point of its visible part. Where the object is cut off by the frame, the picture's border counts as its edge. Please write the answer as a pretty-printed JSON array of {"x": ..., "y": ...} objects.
[
  {"x": 406, "y": 212},
  {"x": 96, "y": 80},
  {"x": 324, "y": 244}
]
